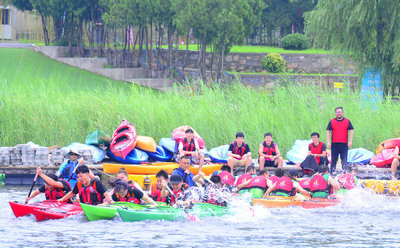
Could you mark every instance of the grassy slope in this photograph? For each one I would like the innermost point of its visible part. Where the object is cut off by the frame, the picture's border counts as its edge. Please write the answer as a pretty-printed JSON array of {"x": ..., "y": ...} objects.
[{"x": 50, "y": 103}]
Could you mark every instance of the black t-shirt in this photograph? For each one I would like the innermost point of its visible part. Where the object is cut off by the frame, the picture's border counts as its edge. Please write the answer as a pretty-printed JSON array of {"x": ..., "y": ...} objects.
[
  {"x": 323, "y": 147},
  {"x": 66, "y": 188},
  {"x": 135, "y": 192},
  {"x": 246, "y": 148},
  {"x": 99, "y": 187},
  {"x": 329, "y": 127}
]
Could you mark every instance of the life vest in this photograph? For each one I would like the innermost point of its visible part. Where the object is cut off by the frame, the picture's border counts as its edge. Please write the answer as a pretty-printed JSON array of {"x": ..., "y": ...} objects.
[
  {"x": 269, "y": 150},
  {"x": 319, "y": 183},
  {"x": 316, "y": 150},
  {"x": 69, "y": 169},
  {"x": 130, "y": 197},
  {"x": 170, "y": 199},
  {"x": 305, "y": 184},
  {"x": 243, "y": 178},
  {"x": 273, "y": 179},
  {"x": 56, "y": 193},
  {"x": 156, "y": 193},
  {"x": 347, "y": 181},
  {"x": 226, "y": 178},
  {"x": 188, "y": 146},
  {"x": 284, "y": 185},
  {"x": 340, "y": 130},
  {"x": 239, "y": 150},
  {"x": 258, "y": 182},
  {"x": 89, "y": 194}
]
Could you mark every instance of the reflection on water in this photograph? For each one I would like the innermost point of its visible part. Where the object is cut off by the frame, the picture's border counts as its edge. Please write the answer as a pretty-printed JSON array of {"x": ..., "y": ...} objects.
[{"x": 361, "y": 220}]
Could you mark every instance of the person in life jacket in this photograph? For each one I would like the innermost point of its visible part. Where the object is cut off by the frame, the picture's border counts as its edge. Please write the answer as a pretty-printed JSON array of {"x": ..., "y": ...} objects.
[
  {"x": 243, "y": 181},
  {"x": 53, "y": 188},
  {"x": 395, "y": 164},
  {"x": 190, "y": 147},
  {"x": 225, "y": 167},
  {"x": 269, "y": 154},
  {"x": 90, "y": 190},
  {"x": 155, "y": 189},
  {"x": 183, "y": 171},
  {"x": 259, "y": 184},
  {"x": 239, "y": 153},
  {"x": 317, "y": 149},
  {"x": 67, "y": 169},
  {"x": 126, "y": 193},
  {"x": 322, "y": 184},
  {"x": 214, "y": 192},
  {"x": 348, "y": 180},
  {"x": 176, "y": 191},
  {"x": 287, "y": 186},
  {"x": 342, "y": 138}
]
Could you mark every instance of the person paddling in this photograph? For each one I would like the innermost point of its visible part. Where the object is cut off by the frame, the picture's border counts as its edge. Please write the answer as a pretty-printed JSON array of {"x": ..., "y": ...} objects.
[
  {"x": 67, "y": 171},
  {"x": 90, "y": 190},
  {"x": 243, "y": 181},
  {"x": 183, "y": 171},
  {"x": 259, "y": 184},
  {"x": 155, "y": 189},
  {"x": 126, "y": 193},
  {"x": 53, "y": 188},
  {"x": 322, "y": 184},
  {"x": 348, "y": 180},
  {"x": 287, "y": 186},
  {"x": 180, "y": 193}
]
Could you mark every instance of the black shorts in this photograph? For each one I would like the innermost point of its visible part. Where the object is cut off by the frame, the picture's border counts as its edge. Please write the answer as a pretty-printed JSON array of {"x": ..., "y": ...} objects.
[{"x": 269, "y": 163}]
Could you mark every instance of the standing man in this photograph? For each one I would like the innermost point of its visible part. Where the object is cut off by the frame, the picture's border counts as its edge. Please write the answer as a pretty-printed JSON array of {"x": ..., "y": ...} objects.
[
  {"x": 342, "y": 138},
  {"x": 239, "y": 153}
]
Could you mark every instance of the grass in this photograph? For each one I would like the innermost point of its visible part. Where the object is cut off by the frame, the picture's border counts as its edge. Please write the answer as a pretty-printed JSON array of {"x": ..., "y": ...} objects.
[{"x": 50, "y": 103}]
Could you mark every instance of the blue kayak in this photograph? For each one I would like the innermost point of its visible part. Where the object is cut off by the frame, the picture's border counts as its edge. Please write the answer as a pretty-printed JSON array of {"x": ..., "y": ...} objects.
[
  {"x": 161, "y": 154},
  {"x": 169, "y": 144},
  {"x": 219, "y": 154},
  {"x": 299, "y": 151},
  {"x": 359, "y": 156},
  {"x": 136, "y": 156}
]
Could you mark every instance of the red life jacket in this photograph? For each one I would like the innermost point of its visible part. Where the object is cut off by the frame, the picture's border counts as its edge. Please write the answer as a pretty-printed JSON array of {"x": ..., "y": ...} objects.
[
  {"x": 305, "y": 184},
  {"x": 188, "y": 146},
  {"x": 316, "y": 150},
  {"x": 347, "y": 181},
  {"x": 239, "y": 150},
  {"x": 56, "y": 193},
  {"x": 318, "y": 183},
  {"x": 156, "y": 193},
  {"x": 226, "y": 178},
  {"x": 130, "y": 197},
  {"x": 284, "y": 185},
  {"x": 273, "y": 179},
  {"x": 340, "y": 130},
  {"x": 170, "y": 199},
  {"x": 244, "y": 178},
  {"x": 89, "y": 193},
  {"x": 269, "y": 150},
  {"x": 258, "y": 182}
]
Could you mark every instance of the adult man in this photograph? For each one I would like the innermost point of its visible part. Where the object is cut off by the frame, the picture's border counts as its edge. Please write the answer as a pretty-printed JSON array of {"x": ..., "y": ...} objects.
[
  {"x": 67, "y": 170},
  {"x": 395, "y": 163},
  {"x": 243, "y": 181},
  {"x": 239, "y": 153},
  {"x": 317, "y": 149},
  {"x": 269, "y": 153},
  {"x": 183, "y": 171},
  {"x": 180, "y": 193},
  {"x": 342, "y": 138},
  {"x": 155, "y": 192},
  {"x": 90, "y": 191},
  {"x": 53, "y": 188},
  {"x": 190, "y": 147}
]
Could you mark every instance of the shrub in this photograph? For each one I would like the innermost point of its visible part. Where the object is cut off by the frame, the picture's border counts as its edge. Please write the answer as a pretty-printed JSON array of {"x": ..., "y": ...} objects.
[
  {"x": 296, "y": 42},
  {"x": 274, "y": 63}
]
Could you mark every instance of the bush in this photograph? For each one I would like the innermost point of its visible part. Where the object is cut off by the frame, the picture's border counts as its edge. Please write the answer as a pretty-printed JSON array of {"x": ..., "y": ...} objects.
[
  {"x": 295, "y": 42},
  {"x": 274, "y": 63}
]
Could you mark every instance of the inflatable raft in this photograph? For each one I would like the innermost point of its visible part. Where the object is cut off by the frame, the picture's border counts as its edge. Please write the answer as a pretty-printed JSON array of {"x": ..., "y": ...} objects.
[
  {"x": 388, "y": 144},
  {"x": 384, "y": 158}
]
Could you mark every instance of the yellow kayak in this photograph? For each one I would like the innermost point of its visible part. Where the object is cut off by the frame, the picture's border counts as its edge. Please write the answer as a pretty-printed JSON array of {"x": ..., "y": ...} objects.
[
  {"x": 145, "y": 181},
  {"x": 279, "y": 201},
  {"x": 390, "y": 187}
]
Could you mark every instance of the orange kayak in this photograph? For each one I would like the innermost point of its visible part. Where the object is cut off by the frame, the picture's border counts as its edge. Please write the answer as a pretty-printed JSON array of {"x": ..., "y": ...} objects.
[
  {"x": 277, "y": 201},
  {"x": 320, "y": 203}
]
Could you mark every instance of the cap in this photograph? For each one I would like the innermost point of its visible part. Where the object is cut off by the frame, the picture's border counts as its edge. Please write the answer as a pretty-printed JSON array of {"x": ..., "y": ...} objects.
[
  {"x": 175, "y": 178},
  {"x": 72, "y": 150}
]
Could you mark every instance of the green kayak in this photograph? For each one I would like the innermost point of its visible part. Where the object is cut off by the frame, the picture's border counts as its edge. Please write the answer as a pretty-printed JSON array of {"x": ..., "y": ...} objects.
[
  {"x": 171, "y": 213},
  {"x": 98, "y": 138}
]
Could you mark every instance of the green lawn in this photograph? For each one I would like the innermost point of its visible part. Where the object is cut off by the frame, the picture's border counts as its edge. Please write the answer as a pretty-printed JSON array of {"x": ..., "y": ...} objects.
[{"x": 50, "y": 103}]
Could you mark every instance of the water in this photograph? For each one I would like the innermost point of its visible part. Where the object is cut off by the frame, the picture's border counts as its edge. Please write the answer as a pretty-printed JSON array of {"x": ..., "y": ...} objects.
[{"x": 362, "y": 220}]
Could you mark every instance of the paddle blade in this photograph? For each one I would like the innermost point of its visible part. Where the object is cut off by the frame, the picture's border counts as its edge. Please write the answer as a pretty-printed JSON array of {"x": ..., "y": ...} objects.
[{"x": 192, "y": 218}]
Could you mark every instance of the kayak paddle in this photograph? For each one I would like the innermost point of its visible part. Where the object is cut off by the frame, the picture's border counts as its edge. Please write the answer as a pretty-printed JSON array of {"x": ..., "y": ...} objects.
[
  {"x": 191, "y": 217},
  {"x": 33, "y": 184},
  {"x": 79, "y": 163}
]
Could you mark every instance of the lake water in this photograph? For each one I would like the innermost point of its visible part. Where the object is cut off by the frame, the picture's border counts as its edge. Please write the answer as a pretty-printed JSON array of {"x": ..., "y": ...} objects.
[{"x": 361, "y": 220}]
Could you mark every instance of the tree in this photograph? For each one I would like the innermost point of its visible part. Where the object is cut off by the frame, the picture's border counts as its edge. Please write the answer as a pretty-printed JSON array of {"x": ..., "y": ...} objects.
[{"x": 366, "y": 31}]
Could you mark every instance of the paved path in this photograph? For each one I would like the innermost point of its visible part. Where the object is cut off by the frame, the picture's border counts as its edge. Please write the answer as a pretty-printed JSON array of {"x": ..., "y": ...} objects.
[{"x": 15, "y": 45}]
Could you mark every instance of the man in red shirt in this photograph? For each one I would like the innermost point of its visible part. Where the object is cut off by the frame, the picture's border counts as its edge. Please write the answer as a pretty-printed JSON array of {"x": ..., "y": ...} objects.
[{"x": 342, "y": 138}]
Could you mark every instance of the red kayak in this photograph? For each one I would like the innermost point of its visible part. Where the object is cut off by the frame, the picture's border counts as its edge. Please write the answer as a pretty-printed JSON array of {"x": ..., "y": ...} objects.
[
  {"x": 320, "y": 203},
  {"x": 388, "y": 144},
  {"x": 384, "y": 158},
  {"x": 22, "y": 209},
  {"x": 124, "y": 139},
  {"x": 53, "y": 213}
]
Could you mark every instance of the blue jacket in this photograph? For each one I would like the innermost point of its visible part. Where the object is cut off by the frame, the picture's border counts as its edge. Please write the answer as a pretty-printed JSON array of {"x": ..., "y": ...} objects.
[
  {"x": 187, "y": 178},
  {"x": 66, "y": 170}
]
